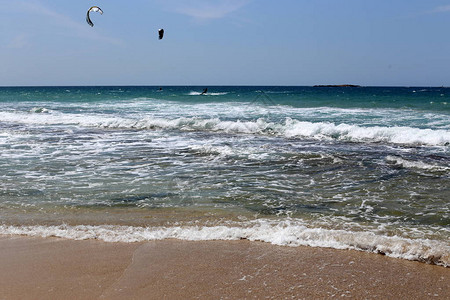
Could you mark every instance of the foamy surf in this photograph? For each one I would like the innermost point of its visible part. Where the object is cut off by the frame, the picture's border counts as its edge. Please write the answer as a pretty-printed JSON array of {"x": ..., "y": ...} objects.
[
  {"x": 374, "y": 161},
  {"x": 289, "y": 128},
  {"x": 283, "y": 234},
  {"x": 416, "y": 165},
  {"x": 207, "y": 94}
]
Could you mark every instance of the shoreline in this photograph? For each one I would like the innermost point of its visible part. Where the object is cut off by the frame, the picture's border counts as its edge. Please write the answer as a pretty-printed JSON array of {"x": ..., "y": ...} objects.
[
  {"x": 42, "y": 268},
  {"x": 432, "y": 251}
]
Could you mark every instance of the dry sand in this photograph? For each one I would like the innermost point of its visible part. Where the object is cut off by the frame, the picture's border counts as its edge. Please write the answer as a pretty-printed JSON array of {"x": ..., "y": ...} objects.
[{"x": 52, "y": 268}]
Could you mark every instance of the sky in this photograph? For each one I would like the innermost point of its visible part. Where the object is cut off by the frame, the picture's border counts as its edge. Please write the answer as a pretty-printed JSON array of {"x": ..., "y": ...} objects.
[{"x": 225, "y": 42}]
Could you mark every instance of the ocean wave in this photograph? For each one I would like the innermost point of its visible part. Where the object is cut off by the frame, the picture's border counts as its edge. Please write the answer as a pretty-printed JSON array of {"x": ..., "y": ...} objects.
[
  {"x": 282, "y": 233},
  {"x": 355, "y": 133},
  {"x": 289, "y": 128},
  {"x": 192, "y": 93},
  {"x": 416, "y": 164},
  {"x": 40, "y": 110},
  {"x": 277, "y": 92}
]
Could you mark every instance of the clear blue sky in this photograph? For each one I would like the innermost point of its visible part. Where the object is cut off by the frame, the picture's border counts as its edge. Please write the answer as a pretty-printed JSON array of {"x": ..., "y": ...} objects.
[{"x": 220, "y": 42}]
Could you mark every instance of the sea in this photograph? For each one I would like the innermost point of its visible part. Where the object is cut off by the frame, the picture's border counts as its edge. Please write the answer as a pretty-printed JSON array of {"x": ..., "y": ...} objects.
[{"x": 362, "y": 168}]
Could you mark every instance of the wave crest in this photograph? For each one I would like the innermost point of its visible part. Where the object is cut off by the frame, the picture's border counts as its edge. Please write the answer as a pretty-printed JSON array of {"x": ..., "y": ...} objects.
[
  {"x": 283, "y": 234},
  {"x": 289, "y": 128},
  {"x": 207, "y": 94}
]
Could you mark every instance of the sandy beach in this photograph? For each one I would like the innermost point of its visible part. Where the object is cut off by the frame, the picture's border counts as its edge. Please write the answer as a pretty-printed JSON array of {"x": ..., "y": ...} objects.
[
  {"x": 54, "y": 268},
  {"x": 224, "y": 149}
]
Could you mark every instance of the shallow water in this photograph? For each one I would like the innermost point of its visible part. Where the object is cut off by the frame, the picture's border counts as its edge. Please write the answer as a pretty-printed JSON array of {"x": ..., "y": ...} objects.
[{"x": 360, "y": 168}]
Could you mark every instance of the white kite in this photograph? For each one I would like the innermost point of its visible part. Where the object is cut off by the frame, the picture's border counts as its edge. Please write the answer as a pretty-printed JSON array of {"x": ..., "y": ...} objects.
[{"x": 94, "y": 9}]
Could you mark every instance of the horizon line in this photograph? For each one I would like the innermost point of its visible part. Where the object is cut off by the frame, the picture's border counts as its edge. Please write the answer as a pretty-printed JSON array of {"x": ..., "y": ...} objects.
[{"x": 227, "y": 85}]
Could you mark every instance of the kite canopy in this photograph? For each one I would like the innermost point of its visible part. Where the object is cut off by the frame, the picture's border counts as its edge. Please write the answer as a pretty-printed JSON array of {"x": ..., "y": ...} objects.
[
  {"x": 161, "y": 33},
  {"x": 94, "y": 9}
]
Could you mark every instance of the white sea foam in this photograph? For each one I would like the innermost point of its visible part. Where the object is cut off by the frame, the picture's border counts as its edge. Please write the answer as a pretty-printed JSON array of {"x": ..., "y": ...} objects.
[
  {"x": 207, "y": 94},
  {"x": 283, "y": 233},
  {"x": 290, "y": 128},
  {"x": 40, "y": 110},
  {"x": 416, "y": 164},
  {"x": 255, "y": 153},
  {"x": 354, "y": 133}
]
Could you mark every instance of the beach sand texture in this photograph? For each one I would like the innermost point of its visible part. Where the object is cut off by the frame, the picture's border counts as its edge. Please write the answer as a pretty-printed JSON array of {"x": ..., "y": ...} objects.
[{"x": 53, "y": 268}]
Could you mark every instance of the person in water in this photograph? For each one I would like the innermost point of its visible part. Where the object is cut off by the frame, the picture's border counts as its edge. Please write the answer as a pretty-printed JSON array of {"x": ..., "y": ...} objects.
[{"x": 204, "y": 91}]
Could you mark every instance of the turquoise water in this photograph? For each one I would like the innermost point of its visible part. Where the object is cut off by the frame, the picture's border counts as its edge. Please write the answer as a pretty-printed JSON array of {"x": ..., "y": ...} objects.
[{"x": 364, "y": 168}]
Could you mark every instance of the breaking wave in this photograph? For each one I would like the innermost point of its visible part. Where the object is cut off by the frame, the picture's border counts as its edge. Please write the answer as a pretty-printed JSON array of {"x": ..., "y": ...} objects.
[
  {"x": 207, "y": 94},
  {"x": 283, "y": 233},
  {"x": 289, "y": 128}
]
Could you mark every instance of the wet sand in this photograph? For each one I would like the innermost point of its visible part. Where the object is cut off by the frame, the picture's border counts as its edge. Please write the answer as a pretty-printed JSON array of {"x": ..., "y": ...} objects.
[{"x": 53, "y": 268}]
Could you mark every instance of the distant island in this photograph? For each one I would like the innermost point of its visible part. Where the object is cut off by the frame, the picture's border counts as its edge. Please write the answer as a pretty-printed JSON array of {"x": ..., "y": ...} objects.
[{"x": 337, "y": 85}]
